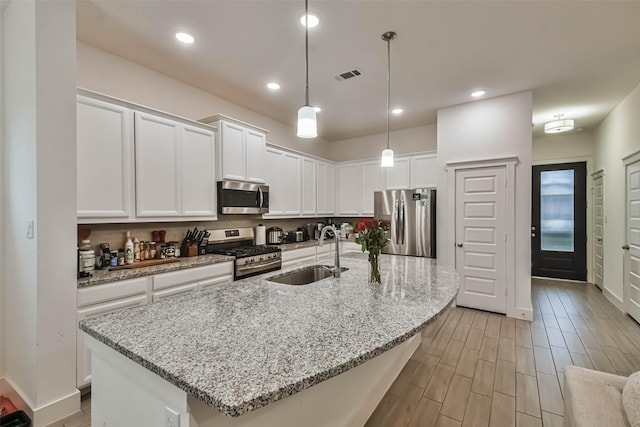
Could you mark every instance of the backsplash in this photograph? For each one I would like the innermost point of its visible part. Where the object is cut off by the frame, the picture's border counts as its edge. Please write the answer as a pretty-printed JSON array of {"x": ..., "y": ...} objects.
[{"x": 114, "y": 234}]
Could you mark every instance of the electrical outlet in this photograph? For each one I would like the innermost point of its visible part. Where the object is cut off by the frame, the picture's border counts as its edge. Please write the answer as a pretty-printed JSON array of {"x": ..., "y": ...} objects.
[
  {"x": 29, "y": 229},
  {"x": 171, "y": 418}
]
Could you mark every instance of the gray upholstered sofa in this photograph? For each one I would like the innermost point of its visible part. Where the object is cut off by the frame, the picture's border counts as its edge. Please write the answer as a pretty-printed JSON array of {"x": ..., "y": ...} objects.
[{"x": 594, "y": 399}]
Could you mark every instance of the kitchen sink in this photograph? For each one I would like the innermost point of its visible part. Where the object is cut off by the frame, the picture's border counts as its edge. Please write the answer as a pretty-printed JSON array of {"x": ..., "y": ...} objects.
[{"x": 305, "y": 275}]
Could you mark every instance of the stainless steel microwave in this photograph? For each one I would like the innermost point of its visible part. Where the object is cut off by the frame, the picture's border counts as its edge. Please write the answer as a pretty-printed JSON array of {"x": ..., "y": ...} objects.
[{"x": 239, "y": 197}]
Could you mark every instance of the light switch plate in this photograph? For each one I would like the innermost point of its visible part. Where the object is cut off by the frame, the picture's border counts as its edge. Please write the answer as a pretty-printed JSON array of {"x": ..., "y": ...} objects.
[{"x": 171, "y": 418}]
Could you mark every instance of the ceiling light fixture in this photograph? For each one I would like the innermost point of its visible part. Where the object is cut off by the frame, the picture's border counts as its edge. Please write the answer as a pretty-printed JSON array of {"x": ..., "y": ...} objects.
[
  {"x": 185, "y": 38},
  {"x": 273, "y": 85},
  {"x": 311, "y": 20},
  {"x": 387, "y": 154},
  {"x": 397, "y": 111},
  {"x": 559, "y": 125},
  {"x": 307, "y": 124},
  {"x": 478, "y": 93}
]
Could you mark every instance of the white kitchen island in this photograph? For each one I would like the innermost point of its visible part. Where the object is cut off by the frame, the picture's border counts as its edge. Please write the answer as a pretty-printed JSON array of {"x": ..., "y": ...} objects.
[{"x": 259, "y": 353}]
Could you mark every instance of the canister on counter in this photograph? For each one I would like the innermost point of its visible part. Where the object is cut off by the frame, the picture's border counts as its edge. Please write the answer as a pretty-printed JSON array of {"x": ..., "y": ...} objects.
[
  {"x": 87, "y": 260},
  {"x": 120, "y": 256},
  {"x": 114, "y": 258}
]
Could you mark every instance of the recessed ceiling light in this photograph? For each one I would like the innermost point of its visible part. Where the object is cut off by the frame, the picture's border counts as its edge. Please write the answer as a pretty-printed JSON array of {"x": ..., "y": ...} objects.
[
  {"x": 313, "y": 20},
  {"x": 317, "y": 109},
  {"x": 273, "y": 85},
  {"x": 185, "y": 38},
  {"x": 397, "y": 111},
  {"x": 478, "y": 93}
]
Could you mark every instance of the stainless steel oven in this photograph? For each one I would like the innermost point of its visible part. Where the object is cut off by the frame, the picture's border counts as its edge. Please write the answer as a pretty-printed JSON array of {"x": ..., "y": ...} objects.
[{"x": 238, "y": 197}]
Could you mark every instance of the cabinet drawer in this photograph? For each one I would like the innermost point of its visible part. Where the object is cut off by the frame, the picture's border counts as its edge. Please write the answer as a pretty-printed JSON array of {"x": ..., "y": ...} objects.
[
  {"x": 298, "y": 254},
  {"x": 191, "y": 275},
  {"x": 227, "y": 278},
  {"x": 111, "y": 291},
  {"x": 176, "y": 290}
]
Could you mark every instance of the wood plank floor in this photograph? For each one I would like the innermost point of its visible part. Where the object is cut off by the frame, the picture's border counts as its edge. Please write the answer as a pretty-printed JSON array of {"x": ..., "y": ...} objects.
[{"x": 481, "y": 369}]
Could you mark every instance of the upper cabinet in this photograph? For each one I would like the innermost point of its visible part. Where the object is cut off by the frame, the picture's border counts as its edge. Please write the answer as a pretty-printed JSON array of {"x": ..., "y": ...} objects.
[
  {"x": 104, "y": 161},
  {"x": 325, "y": 188},
  {"x": 424, "y": 171},
  {"x": 171, "y": 177},
  {"x": 348, "y": 188},
  {"x": 372, "y": 180},
  {"x": 284, "y": 180},
  {"x": 398, "y": 177},
  {"x": 309, "y": 186},
  {"x": 240, "y": 148}
]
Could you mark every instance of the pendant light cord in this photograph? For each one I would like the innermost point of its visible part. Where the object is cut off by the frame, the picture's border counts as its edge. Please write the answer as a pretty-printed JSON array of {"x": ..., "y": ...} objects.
[
  {"x": 306, "y": 51},
  {"x": 388, "y": 86}
]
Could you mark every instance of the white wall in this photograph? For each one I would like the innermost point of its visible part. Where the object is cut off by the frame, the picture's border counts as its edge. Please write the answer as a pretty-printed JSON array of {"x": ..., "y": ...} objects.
[
  {"x": 112, "y": 75},
  {"x": 404, "y": 141},
  {"x": 559, "y": 147},
  {"x": 39, "y": 280},
  {"x": 492, "y": 128},
  {"x": 617, "y": 137},
  {"x": 2, "y": 232}
]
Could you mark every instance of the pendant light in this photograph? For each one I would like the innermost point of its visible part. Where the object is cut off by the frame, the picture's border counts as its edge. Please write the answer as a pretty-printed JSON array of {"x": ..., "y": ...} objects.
[
  {"x": 387, "y": 154},
  {"x": 307, "y": 124}
]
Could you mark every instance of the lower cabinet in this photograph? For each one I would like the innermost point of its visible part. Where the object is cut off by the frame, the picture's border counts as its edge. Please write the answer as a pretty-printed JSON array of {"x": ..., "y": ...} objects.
[
  {"x": 102, "y": 299},
  {"x": 297, "y": 256},
  {"x": 347, "y": 246}
]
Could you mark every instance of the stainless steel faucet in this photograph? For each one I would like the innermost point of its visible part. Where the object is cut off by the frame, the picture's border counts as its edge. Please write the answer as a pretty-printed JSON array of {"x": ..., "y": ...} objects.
[{"x": 336, "y": 268}]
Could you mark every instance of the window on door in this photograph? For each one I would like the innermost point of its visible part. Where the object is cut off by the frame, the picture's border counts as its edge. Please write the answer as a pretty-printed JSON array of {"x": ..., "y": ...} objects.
[{"x": 558, "y": 221}]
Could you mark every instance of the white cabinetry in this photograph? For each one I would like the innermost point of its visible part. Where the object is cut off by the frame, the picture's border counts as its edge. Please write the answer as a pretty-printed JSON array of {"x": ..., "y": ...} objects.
[
  {"x": 183, "y": 281},
  {"x": 348, "y": 178},
  {"x": 399, "y": 176},
  {"x": 174, "y": 169},
  {"x": 372, "y": 180},
  {"x": 99, "y": 300},
  {"x": 298, "y": 256},
  {"x": 309, "y": 186},
  {"x": 240, "y": 148},
  {"x": 104, "y": 161},
  {"x": 424, "y": 171},
  {"x": 347, "y": 246},
  {"x": 326, "y": 193},
  {"x": 157, "y": 166},
  {"x": 283, "y": 178},
  {"x": 325, "y": 252}
]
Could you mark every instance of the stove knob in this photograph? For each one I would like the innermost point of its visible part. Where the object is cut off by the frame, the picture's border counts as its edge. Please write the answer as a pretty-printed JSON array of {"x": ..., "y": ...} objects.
[{"x": 261, "y": 258}]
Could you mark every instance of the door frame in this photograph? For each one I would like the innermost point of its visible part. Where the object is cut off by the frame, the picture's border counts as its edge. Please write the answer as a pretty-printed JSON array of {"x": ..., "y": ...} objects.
[
  {"x": 589, "y": 190},
  {"x": 591, "y": 243},
  {"x": 509, "y": 164},
  {"x": 628, "y": 160}
]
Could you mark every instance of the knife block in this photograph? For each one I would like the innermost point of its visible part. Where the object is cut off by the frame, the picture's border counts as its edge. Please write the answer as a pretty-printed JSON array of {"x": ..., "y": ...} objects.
[{"x": 192, "y": 250}]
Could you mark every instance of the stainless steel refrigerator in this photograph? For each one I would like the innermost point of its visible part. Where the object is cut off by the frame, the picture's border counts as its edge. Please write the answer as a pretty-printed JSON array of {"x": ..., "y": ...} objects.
[{"x": 411, "y": 215}]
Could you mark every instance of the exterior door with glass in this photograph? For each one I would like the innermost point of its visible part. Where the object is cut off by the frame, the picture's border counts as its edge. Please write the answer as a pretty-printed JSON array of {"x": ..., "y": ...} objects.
[{"x": 559, "y": 221}]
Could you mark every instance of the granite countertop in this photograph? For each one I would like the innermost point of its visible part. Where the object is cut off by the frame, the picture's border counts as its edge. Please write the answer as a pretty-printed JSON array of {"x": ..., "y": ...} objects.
[
  {"x": 240, "y": 347},
  {"x": 101, "y": 277}
]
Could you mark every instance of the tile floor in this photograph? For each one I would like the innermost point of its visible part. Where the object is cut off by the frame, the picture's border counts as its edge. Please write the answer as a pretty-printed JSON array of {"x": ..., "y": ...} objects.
[{"x": 481, "y": 369}]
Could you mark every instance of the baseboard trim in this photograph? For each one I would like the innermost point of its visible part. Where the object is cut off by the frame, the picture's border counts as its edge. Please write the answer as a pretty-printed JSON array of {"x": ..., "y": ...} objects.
[
  {"x": 46, "y": 414},
  {"x": 582, "y": 282},
  {"x": 613, "y": 299},
  {"x": 520, "y": 313}
]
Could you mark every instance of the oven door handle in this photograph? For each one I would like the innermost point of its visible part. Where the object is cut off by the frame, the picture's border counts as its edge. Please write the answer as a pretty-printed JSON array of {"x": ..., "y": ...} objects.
[{"x": 259, "y": 265}]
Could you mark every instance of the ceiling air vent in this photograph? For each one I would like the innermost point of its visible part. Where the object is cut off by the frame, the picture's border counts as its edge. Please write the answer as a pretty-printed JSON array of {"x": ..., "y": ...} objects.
[{"x": 348, "y": 74}]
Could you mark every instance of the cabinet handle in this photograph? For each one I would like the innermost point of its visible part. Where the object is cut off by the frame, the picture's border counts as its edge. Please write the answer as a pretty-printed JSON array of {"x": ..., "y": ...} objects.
[
  {"x": 625, "y": 247},
  {"x": 459, "y": 245}
]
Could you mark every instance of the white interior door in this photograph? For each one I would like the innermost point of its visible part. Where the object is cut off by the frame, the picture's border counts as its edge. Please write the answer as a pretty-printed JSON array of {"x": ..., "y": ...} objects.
[
  {"x": 598, "y": 229},
  {"x": 480, "y": 204},
  {"x": 632, "y": 279}
]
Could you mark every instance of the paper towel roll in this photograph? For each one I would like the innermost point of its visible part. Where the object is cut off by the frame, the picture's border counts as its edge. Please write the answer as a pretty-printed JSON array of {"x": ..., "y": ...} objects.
[{"x": 261, "y": 234}]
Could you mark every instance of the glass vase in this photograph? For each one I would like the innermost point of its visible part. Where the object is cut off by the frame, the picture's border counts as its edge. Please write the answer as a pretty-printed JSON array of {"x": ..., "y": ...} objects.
[{"x": 374, "y": 268}]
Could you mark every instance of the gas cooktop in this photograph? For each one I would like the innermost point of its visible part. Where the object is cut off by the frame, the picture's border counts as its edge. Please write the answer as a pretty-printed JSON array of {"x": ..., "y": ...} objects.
[{"x": 247, "y": 251}]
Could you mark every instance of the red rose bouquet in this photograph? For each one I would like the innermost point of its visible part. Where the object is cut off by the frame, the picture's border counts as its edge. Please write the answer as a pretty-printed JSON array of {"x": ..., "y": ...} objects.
[{"x": 373, "y": 238}]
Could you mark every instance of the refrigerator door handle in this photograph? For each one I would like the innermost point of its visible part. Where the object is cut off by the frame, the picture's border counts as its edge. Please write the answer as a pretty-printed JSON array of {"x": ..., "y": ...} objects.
[
  {"x": 397, "y": 221},
  {"x": 402, "y": 224}
]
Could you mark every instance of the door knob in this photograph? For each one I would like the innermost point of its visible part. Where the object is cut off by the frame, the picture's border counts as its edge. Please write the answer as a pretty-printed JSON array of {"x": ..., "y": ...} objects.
[
  {"x": 625, "y": 247},
  {"x": 459, "y": 245},
  {"x": 599, "y": 239}
]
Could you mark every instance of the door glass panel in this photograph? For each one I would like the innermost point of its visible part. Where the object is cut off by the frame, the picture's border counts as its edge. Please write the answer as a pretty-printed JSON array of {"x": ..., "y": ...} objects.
[{"x": 556, "y": 210}]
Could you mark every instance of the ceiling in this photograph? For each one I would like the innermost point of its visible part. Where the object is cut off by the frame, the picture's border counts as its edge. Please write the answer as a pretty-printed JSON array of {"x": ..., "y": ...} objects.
[{"x": 579, "y": 57}]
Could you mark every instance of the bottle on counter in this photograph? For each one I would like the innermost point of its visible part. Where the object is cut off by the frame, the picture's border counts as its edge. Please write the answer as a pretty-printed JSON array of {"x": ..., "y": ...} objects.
[
  {"x": 128, "y": 250},
  {"x": 152, "y": 250},
  {"x": 136, "y": 249}
]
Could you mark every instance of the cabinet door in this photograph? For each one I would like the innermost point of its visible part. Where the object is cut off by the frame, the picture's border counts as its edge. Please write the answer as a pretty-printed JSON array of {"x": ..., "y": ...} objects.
[
  {"x": 275, "y": 179},
  {"x": 424, "y": 171},
  {"x": 325, "y": 188},
  {"x": 309, "y": 180},
  {"x": 348, "y": 188},
  {"x": 255, "y": 144},
  {"x": 399, "y": 176},
  {"x": 198, "y": 172},
  {"x": 157, "y": 166},
  {"x": 232, "y": 144},
  {"x": 291, "y": 188},
  {"x": 83, "y": 361},
  {"x": 372, "y": 180},
  {"x": 104, "y": 160}
]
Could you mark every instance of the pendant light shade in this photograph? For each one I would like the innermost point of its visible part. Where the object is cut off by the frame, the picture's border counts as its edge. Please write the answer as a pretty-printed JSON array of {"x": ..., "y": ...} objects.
[
  {"x": 559, "y": 125},
  {"x": 307, "y": 124},
  {"x": 386, "y": 160}
]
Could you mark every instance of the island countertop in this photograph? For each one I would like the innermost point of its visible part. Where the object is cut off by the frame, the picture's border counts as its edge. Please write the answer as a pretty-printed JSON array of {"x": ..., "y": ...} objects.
[{"x": 240, "y": 346}]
